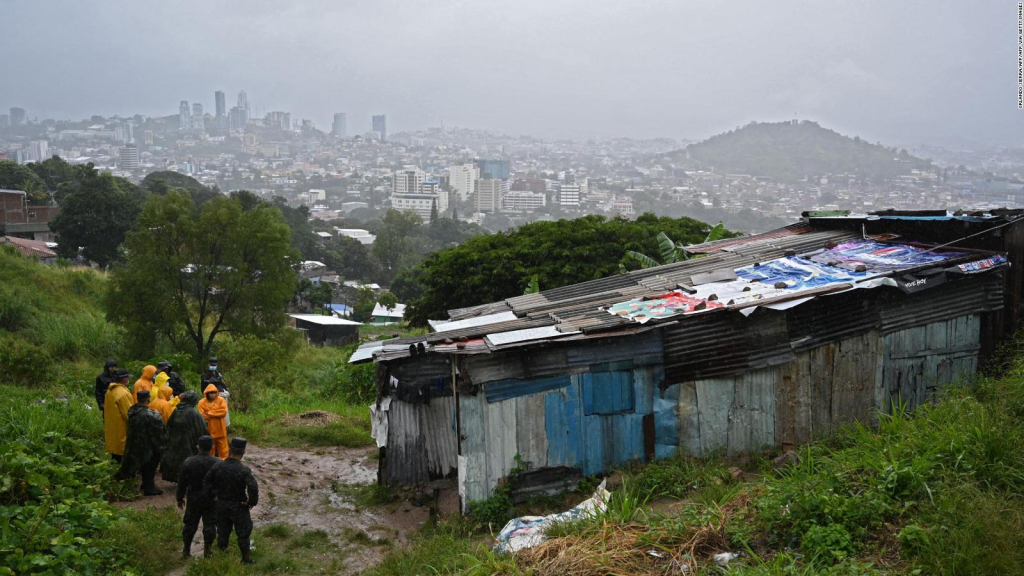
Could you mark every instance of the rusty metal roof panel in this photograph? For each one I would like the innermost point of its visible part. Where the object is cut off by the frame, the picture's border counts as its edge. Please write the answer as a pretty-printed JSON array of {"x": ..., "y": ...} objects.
[{"x": 719, "y": 245}]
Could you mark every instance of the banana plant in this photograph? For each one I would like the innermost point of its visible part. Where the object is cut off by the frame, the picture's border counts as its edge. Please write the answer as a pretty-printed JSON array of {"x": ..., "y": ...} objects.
[{"x": 672, "y": 252}]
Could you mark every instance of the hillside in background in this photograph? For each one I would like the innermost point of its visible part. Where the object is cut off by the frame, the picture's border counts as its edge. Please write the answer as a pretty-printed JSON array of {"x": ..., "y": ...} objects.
[{"x": 790, "y": 151}]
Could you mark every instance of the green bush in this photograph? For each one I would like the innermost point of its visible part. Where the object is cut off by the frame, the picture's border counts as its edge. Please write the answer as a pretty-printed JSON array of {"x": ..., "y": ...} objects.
[
  {"x": 827, "y": 544},
  {"x": 14, "y": 310},
  {"x": 52, "y": 506},
  {"x": 23, "y": 363}
]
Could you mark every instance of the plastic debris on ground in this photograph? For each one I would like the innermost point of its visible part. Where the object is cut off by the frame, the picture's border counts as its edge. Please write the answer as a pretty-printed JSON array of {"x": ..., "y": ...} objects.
[
  {"x": 528, "y": 531},
  {"x": 723, "y": 558},
  {"x": 665, "y": 305}
]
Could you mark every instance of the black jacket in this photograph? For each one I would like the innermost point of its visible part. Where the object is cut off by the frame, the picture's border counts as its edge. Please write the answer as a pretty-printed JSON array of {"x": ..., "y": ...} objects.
[
  {"x": 190, "y": 479},
  {"x": 228, "y": 482},
  {"x": 103, "y": 381}
]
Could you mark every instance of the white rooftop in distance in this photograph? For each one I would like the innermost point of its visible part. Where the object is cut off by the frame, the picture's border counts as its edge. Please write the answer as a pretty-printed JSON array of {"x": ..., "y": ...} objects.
[{"x": 325, "y": 320}]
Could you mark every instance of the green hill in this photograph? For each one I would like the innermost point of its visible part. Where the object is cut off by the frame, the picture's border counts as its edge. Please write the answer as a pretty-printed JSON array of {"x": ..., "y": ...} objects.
[{"x": 790, "y": 151}]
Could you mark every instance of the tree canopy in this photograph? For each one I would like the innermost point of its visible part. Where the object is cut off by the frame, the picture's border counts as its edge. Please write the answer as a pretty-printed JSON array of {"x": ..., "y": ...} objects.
[
  {"x": 95, "y": 216},
  {"x": 14, "y": 176},
  {"x": 497, "y": 266},
  {"x": 193, "y": 273}
]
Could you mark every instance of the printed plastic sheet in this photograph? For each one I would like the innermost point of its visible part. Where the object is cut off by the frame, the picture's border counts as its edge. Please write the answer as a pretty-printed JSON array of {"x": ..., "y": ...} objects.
[
  {"x": 528, "y": 531},
  {"x": 798, "y": 273},
  {"x": 666, "y": 305},
  {"x": 983, "y": 265},
  {"x": 881, "y": 257}
]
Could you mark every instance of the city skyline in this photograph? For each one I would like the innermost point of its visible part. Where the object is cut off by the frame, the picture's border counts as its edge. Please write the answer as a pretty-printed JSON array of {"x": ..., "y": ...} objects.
[{"x": 914, "y": 72}]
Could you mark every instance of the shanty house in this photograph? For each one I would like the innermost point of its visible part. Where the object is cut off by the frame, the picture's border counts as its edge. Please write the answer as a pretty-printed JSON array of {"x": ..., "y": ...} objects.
[
  {"x": 766, "y": 340},
  {"x": 327, "y": 330}
]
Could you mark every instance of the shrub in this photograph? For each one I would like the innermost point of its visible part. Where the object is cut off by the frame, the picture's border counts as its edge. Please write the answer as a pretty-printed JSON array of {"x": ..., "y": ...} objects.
[
  {"x": 23, "y": 363},
  {"x": 14, "y": 310},
  {"x": 52, "y": 506},
  {"x": 827, "y": 544}
]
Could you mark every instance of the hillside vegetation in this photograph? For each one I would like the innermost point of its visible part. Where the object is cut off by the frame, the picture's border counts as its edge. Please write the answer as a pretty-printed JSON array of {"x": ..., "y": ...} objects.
[
  {"x": 788, "y": 151},
  {"x": 57, "y": 483}
]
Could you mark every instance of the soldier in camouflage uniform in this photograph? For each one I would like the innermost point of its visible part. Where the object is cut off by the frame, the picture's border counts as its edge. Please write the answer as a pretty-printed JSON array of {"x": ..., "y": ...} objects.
[
  {"x": 200, "y": 503},
  {"x": 147, "y": 437},
  {"x": 229, "y": 481}
]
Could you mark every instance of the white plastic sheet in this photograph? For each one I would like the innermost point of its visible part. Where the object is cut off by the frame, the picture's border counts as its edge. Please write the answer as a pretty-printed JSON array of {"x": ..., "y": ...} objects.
[{"x": 528, "y": 531}]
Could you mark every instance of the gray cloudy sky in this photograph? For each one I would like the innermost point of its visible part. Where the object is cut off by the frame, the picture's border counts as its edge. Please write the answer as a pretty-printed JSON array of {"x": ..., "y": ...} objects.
[{"x": 897, "y": 71}]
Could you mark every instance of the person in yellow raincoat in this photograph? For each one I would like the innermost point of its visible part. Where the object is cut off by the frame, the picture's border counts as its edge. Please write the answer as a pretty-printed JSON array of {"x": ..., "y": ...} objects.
[
  {"x": 162, "y": 404},
  {"x": 214, "y": 409},
  {"x": 163, "y": 369},
  {"x": 144, "y": 383},
  {"x": 116, "y": 403}
]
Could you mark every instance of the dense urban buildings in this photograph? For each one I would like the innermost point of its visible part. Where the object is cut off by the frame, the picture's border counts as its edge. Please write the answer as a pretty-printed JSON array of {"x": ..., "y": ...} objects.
[{"x": 493, "y": 179}]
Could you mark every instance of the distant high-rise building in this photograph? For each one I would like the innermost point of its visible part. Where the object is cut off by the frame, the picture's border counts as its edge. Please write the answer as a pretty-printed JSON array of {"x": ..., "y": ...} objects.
[
  {"x": 17, "y": 116},
  {"x": 338, "y": 127},
  {"x": 243, "y": 101},
  {"x": 129, "y": 157},
  {"x": 462, "y": 180},
  {"x": 147, "y": 137},
  {"x": 219, "y": 103},
  {"x": 37, "y": 151},
  {"x": 489, "y": 193},
  {"x": 408, "y": 180},
  {"x": 5, "y": 120},
  {"x": 184, "y": 116},
  {"x": 500, "y": 169},
  {"x": 237, "y": 119},
  {"x": 198, "y": 122},
  {"x": 379, "y": 126},
  {"x": 128, "y": 132}
]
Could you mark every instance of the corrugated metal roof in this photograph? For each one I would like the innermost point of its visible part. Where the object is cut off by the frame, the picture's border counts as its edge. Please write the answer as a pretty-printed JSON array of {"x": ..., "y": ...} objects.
[
  {"x": 578, "y": 309},
  {"x": 719, "y": 245}
]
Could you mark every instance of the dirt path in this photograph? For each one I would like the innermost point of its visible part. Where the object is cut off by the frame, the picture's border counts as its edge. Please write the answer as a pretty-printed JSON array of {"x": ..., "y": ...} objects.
[{"x": 305, "y": 488}]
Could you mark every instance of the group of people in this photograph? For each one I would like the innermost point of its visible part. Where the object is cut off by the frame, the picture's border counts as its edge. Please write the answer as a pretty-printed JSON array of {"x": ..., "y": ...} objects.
[{"x": 160, "y": 423}]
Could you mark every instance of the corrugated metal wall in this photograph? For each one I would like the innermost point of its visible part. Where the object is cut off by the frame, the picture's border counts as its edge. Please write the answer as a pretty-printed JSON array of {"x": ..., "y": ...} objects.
[
  {"x": 553, "y": 428},
  {"x": 421, "y": 441}
]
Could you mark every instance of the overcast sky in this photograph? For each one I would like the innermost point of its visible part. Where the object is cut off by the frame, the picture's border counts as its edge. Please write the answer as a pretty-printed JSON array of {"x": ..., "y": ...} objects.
[{"x": 901, "y": 72}]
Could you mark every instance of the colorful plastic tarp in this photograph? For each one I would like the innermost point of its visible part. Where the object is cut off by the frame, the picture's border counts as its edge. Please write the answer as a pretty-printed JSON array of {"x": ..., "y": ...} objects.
[
  {"x": 665, "y": 305},
  {"x": 881, "y": 257},
  {"x": 983, "y": 265},
  {"x": 798, "y": 273}
]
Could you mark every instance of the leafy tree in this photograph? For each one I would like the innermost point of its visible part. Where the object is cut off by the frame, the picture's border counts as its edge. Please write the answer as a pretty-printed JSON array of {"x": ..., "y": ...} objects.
[
  {"x": 96, "y": 218},
  {"x": 363, "y": 310},
  {"x": 387, "y": 300},
  {"x": 165, "y": 180},
  {"x": 493, "y": 267},
  {"x": 671, "y": 252},
  {"x": 14, "y": 176},
  {"x": 391, "y": 245},
  {"x": 55, "y": 171},
  {"x": 194, "y": 273},
  {"x": 533, "y": 287}
]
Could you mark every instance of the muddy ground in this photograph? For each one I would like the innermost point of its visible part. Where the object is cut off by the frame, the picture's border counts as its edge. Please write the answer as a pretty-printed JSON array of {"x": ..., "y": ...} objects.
[{"x": 310, "y": 489}]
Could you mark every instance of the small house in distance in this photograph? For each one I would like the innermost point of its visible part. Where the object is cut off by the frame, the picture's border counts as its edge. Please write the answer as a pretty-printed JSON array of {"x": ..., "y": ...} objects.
[
  {"x": 382, "y": 315},
  {"x": 327, "y": 330},
  {"x": 770, "y": 340}
]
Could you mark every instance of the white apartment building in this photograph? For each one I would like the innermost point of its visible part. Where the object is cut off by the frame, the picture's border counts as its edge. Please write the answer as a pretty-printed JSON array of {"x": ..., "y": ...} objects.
[
  {"x": 129, "y": 157},
  {"x": 569, "y": 195},
  {"x": 489, "y": 192},
  {"x": 408, "y": 180},
  {"x": 420, "y": 203},
  {"x": 462, "y": 180},
  {"x": 522, "y": 201}
]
